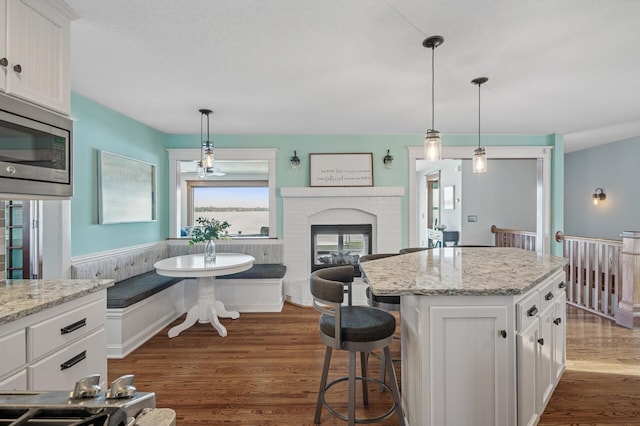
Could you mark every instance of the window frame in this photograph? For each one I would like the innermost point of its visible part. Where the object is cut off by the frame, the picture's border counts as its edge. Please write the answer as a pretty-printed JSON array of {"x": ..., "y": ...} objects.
[
  {"x": 233, "y": 154},
  {"x": 193, "y": 184}
]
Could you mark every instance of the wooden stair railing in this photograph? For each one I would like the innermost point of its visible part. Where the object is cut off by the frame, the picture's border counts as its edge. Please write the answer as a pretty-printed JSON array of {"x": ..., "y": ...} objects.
[
  {"x": 594, "y": 273},
  {"x": 514, "y": 238}
]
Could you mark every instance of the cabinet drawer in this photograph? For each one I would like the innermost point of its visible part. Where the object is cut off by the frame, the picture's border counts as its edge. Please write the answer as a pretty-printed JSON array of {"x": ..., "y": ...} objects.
[
  {"x": 14, "y": 354},
  {"x": 64, "y": 328},
  {"x": 527, "y": 310},
  {"x": 548, "y": 295},
  {"x": 61, "y": 370},
  {"x": 16, "y": 382}
]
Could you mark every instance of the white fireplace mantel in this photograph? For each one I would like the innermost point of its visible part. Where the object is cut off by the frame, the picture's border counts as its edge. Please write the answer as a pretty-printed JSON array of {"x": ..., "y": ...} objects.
[
  {"x": 379, "y": 206},
  {"x": 340, "y": 191}
]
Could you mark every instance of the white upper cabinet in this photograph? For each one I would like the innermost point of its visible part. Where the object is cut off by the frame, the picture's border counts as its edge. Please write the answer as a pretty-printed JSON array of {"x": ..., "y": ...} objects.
[{"x": 36, "y": 49}]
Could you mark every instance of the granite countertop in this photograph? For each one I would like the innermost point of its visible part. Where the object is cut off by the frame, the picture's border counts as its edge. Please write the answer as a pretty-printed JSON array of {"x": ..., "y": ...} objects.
[
  {"x": 19, "y": 298},
  {"x": 458, "y": 271}
]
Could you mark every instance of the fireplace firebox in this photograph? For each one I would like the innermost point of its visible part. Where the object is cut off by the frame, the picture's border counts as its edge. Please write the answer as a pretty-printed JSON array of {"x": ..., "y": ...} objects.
[{"x": 333, "y": 245}]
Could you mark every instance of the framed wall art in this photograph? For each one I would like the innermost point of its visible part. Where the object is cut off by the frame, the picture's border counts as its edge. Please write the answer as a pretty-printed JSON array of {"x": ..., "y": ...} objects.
[
  {"x": 126, "y": 189},
  {"x": 341, "y": 169}
]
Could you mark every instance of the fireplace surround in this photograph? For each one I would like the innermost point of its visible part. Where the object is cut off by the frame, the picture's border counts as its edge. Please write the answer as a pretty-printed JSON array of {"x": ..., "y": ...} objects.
[{"x": 380, "y": 207}]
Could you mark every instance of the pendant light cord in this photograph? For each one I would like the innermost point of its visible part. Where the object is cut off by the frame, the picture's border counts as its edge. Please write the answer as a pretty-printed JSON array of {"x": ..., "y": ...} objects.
[
  {"x": 433, "y": 95},
  {"x": 479, "y": 115}
]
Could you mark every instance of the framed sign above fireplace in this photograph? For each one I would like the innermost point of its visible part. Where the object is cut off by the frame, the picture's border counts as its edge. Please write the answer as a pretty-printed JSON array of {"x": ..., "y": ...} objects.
[{"x": 341, "y": 169}]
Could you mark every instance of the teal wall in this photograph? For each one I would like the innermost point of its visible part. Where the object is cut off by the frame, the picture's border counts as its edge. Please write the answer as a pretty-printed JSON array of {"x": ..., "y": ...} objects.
[
  {"x": 99, "y": 128},
  {"x": 614, "y": 168}
]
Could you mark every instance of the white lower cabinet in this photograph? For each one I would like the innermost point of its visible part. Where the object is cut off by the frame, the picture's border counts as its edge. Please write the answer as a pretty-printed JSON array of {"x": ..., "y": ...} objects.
[
  {"x": 541, "y": 349},
  {"x": 471, "y": 354},
  {"x": 66, "y": 366},
  {"x": 52, "y": 349},
  {"x": 482, "y": 360}
]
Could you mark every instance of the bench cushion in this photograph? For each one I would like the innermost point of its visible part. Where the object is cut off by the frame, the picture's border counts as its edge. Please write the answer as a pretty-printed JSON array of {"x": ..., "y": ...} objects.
[
  {"x": 137, "y": 288},
  {"x": 262, "y": 270}
]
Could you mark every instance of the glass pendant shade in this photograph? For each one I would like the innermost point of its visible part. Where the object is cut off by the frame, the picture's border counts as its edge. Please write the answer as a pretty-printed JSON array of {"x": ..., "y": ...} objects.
[
  {"x": 432, "y": 145},
  {"x": 479, "y": 160},
  {"x": 208, "y": 158},
  {"x": 201, "y": 171}
]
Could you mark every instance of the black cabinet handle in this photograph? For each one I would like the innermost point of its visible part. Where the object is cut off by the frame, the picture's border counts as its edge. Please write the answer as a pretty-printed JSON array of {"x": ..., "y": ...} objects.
[
  {"x": 4, "y": 62},
  {"x": 73, "y": 361},
  {"x": 541, "y": 341},
  {"x": 548, "y": 296},
  {"x": 533, "y": 311},
  {"x": 17, "y": 68},
  {"x": 557, "y": 321},
  {"x": 503, "y": 333},
  {"x": 73, "y": 327},
  {"x": 562, "y": 285}
]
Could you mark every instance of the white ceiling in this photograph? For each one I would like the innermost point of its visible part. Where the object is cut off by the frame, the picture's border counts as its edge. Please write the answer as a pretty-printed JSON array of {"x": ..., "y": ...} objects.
[{"x": 359, "y": 67}]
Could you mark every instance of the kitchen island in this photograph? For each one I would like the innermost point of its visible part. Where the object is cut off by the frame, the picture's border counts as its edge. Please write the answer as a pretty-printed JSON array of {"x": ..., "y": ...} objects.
[
  {"x": 52, "y": 333},
  {"x": 483, "y": 332}
]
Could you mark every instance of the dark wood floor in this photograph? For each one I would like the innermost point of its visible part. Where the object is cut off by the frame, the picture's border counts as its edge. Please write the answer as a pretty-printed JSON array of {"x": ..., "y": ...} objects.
[{"x": 266, "y": 372}]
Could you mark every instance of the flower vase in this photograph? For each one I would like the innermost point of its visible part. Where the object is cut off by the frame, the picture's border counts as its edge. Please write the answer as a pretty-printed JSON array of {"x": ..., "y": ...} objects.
[{"x": 210, "y": 251}]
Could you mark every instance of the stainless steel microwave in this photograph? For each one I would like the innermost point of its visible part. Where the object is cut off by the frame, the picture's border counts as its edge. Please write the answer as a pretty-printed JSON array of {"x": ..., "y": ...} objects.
[{"x": 35, "y": 152}]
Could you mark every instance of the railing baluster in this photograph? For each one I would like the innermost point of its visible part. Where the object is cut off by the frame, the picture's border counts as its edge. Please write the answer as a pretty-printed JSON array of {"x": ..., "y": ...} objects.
[{"x": 594, "y": 273}]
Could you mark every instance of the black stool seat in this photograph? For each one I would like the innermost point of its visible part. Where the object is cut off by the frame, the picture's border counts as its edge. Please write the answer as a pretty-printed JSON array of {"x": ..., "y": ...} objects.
[{"x": 360, "y": 324}]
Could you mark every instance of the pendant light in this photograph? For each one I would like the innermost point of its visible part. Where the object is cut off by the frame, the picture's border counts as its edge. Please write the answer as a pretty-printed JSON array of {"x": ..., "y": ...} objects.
[
  {"x": 432, "y": 141},
  {"x": 205, "y": 165},
  {"x": 479, "y": 154}
]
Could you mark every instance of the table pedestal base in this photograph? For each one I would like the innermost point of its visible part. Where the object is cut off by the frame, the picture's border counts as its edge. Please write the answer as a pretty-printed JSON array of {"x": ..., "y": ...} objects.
[{"x": 208, "y": 309}]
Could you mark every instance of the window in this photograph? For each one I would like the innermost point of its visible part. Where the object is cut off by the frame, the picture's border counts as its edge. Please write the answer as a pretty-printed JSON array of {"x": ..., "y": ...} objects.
[
  {"x": 242, "y": 190},
  {"x": 244, "y": 204}
]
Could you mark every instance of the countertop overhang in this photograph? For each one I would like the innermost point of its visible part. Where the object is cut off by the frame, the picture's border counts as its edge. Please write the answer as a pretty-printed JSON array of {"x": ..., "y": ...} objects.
[
  {"x": 461, "y": 271},
  {"x": 19, "y": 298}
]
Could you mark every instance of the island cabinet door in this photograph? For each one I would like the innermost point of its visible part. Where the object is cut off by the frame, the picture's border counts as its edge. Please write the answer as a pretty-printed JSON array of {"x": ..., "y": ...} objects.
[
  {"x": 527, "y": 349},
  {"x": 470, "y": 349},
  {"x": 559, "y": 337}
]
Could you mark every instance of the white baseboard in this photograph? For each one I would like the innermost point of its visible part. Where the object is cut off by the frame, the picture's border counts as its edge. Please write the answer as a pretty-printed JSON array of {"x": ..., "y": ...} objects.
[{"x": 128, "y": 328}]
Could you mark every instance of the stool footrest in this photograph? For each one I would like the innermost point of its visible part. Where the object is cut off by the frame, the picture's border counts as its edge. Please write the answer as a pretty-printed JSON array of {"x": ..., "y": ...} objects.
[{"x": 358, "y": 420}]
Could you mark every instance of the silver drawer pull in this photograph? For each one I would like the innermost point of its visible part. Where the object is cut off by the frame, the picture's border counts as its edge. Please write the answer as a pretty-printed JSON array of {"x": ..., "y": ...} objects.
[
  {"x": 73, "y": 327},
  {"x": 73, "y": 361},
  {"x": 548, "y": 296},
  {"x": 533, "y": 311}
]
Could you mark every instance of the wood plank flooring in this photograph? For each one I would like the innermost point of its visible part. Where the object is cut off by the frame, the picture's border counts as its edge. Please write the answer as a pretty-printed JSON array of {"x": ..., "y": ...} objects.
[{"x": 267, "y": 371}]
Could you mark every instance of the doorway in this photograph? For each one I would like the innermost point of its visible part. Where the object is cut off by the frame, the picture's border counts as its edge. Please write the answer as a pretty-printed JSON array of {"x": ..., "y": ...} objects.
[{"x": 433, "y": 199}]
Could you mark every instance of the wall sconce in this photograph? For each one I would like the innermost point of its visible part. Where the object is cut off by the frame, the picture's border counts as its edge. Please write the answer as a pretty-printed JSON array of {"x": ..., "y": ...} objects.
[
  {"x": 598, "y": 196},
  {"x": 295, "y": 161},
  {"x": 387, "y": 160}
]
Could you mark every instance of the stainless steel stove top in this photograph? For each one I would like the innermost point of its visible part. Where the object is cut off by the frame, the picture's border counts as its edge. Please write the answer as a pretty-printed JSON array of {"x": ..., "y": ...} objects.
[{"x": 86, "y": 405}]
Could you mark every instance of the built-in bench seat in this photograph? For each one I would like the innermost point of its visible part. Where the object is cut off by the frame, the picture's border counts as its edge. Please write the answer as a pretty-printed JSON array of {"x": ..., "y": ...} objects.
[
  {"x": 142, "y": 302},
  {"x": 258, "y": 271},
  {"x": 132, "y": 290}
]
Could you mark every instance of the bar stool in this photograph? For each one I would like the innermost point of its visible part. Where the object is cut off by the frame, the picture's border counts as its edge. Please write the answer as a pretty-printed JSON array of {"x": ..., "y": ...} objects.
[
  {"x": 354, "y": 329},
  {"x": 387, "y": 303}
]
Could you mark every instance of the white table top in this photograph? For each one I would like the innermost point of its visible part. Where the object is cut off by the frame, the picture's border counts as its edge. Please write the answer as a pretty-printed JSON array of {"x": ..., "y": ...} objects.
[{"x": 193, "y": 265}]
